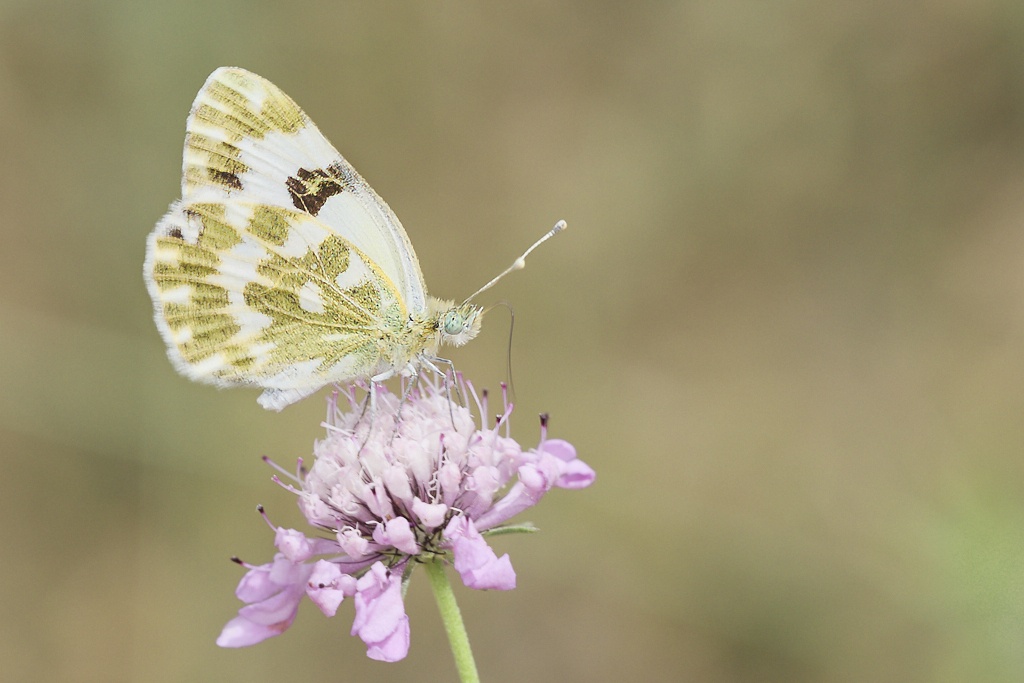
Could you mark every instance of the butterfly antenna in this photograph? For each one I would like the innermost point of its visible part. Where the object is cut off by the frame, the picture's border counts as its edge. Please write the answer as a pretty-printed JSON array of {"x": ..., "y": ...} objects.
[
  {"x": 520, "y": 262},
  {"x": 511, "y": 327}
]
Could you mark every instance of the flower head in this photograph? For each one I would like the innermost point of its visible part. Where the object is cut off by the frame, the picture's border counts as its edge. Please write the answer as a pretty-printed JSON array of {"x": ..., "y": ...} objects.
[{"x": 399, "y": 481}]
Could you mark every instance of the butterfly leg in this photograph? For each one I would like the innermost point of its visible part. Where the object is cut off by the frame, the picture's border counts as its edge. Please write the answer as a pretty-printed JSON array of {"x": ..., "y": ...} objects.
[
  {"x": 368, "y": 400},
  {"x": 368, "y": 414},
  {"x": 408, "y": 386},
  {"x": 448, "y": 376},
  {"x": 375, "y": 382}
]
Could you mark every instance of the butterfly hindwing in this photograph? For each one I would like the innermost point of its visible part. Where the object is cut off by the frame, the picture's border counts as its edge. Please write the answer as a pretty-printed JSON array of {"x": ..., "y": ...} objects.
[{"x": 253, "y": 294}]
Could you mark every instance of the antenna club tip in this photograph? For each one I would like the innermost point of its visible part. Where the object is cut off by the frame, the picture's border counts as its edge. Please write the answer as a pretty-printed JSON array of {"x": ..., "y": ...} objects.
[{"x": 520, "y": 262}]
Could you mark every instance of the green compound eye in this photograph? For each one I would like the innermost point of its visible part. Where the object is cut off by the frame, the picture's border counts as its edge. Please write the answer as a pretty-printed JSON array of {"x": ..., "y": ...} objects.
[{"x": 454, "y": 322}]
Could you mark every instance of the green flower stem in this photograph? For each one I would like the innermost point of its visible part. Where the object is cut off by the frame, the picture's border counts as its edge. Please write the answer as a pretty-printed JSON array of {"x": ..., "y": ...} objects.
[{"x": 452, "y": 618}]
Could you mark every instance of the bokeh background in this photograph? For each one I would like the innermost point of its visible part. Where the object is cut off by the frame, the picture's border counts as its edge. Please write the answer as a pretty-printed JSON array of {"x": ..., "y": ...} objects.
[{"x": 786, "y": 327}]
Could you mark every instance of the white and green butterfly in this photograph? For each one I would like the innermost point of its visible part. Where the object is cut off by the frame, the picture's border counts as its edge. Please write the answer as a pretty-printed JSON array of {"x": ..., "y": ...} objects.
[{"x": 280, "y": 268}]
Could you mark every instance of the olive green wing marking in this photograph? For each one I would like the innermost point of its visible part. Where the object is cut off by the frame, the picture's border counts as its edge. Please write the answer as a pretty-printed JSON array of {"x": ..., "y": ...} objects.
[{"x": 234, "y": 109}]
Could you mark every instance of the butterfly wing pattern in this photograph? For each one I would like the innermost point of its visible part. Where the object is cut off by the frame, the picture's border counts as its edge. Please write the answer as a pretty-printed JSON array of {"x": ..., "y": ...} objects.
[{"x": 280, "y": 267}]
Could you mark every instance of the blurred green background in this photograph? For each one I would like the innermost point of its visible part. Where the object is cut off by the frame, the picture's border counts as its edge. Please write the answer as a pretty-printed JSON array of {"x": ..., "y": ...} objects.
[{"x": 786, "y": 327}]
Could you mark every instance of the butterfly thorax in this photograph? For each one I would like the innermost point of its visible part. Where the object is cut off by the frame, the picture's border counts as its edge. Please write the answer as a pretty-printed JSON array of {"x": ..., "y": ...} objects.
[{"x": 404, "y": 350}]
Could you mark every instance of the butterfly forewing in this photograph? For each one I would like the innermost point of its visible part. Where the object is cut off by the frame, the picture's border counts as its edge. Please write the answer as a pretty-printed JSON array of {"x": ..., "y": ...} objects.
[{"x": 245, "y": 138}]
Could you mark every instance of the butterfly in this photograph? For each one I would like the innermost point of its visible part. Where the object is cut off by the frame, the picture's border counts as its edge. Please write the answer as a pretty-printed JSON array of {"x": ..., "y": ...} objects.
[{"x": 280, "y": 267}]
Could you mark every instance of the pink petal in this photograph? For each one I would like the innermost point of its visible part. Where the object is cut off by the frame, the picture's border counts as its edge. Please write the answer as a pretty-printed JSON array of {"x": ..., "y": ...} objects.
[
  {"x": 397, "y": 533},
  {"x": 284, "y": 572},
  {"x": 256, "y": 585},
  {"x": 519, "y": 498},
  {"x": 381, "y": 621},
  {"x": 375, "y": 496},
  {"x": 258, "y": 621},
  {"x": 328, "y": 586},
  {"x": 396, "y": 479},
  {"x": 240, "y": 632},
  {"x": 484, "y": 481},
  {"x": 277, "y": 609},
  {"x": 576, "y": 475},
  {"x": 573, "y": 472},
  {"x": 293, "y": 544},
  {"x": 560, "y": 448},
  {"x": 352, "y": 542},
  {"x": 393, "y": 648},
  {"x": 272, "y": 594},
  {"x": 449, "y": 478},
  {"x": 475, "y": 561},
  {"x": 431, "y": 515}
]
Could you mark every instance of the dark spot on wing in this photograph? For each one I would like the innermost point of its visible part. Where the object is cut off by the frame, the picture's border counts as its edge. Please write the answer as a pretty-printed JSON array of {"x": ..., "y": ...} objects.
[
  {"x": 310, "y": 190},
  {"x": 175, "y": 233},
  {"x": 226, "y": 179}
]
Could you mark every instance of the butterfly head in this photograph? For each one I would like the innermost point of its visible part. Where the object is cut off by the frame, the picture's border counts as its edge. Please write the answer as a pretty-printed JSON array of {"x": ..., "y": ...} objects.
[{"x": 456, "y": 325}]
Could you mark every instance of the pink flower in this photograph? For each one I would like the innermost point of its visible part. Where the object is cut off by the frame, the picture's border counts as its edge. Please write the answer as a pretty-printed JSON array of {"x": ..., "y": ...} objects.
[{"x": 393, "y": 483}]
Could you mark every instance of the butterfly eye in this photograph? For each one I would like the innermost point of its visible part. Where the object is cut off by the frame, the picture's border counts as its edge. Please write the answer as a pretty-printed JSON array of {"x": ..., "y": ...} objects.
[
  {"x": 458, "y": 325},
  {"x": 454, "y": 322}
]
